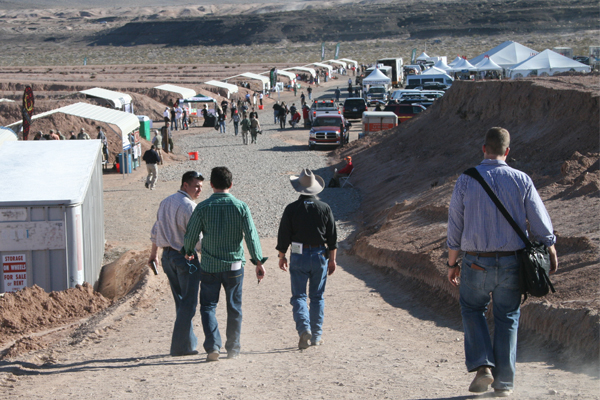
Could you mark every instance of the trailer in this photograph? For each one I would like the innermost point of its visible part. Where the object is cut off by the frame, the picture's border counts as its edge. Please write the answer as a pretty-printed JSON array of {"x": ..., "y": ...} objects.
[{"x": 397, "y": 69}]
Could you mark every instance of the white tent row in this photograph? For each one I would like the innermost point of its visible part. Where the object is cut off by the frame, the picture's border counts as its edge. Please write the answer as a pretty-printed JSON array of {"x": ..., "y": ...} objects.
[
  {"x": 506, "y": 55},
  {"x": 338, "y": 62},
  {"x": 311, "y": 71},
  {"x": 546, "y": 63},
  {"x": 266, "y": 85},
  {"x": 126, "y": 122},
  {"x": 227, "y": 86},
  {"x": 462, "y": 65},
  {"x": 121, "y": 101},
  {"x": 441, "y": 65},
  {"x": 329, "y": 68},
  {"x": 184, "y": 93},
  {"x": 349, "y": 61},
  {"x": 290, "y": 75}
]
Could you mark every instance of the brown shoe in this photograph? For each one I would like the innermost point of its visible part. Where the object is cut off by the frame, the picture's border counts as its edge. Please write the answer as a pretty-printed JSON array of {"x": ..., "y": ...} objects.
[
  {"x": 482, "y": 380},
  {"x": 304, "y": 338},
  {"x": 213, "y": 356}
]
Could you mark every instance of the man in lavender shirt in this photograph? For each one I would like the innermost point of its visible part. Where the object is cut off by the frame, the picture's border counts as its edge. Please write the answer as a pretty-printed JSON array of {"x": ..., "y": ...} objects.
[{"x": 490, "y": 264}]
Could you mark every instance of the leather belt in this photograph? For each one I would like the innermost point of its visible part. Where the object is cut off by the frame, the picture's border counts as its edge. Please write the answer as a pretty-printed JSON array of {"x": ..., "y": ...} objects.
[
  {"x": 170, "y": 248},
  {"x": 493, "y": 254},
  {"x": 313, "y": 246}
]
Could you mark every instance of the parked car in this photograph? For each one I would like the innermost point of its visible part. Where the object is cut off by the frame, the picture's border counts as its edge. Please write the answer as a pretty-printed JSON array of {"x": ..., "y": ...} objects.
[
  {"x": 405, "y": 111},
  {"x": 328, "y": 130},
  {"x": 320, "y": 107},
  {"x": 377, "y": 94},
  {"x": 354, "y": 107}
]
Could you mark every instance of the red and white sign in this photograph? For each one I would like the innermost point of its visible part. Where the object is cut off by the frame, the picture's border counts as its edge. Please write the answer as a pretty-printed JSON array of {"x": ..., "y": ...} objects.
[{"x": 14, "y": 267}]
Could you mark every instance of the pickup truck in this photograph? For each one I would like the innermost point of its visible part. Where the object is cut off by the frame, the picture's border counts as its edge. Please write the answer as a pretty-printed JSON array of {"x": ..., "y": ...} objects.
[
  {"x": 323, "y": 107},
  {"x": 328, "y": 130}
]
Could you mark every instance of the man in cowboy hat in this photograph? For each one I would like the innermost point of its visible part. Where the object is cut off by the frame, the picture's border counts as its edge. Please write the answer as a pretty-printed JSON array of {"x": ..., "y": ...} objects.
[{"x": 309, "y": 227}]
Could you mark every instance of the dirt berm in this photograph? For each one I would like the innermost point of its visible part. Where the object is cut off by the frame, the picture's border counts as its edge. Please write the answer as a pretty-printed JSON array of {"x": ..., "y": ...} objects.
[{"x": 407, "y": 176}]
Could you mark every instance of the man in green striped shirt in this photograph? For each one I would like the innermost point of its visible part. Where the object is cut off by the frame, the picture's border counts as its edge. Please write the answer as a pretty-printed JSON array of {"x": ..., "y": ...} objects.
[{"x": 224, "y": 222}]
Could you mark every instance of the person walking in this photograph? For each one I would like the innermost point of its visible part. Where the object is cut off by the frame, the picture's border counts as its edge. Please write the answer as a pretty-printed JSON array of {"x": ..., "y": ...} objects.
[
  {"x": 224, "y": 222},
  {"x": 179, "y": 115},
  {"x": 295, "y": 89},
  {"x": 260, "y": 98},
  {"x": 302, "y": 98},
  {"x": 254, "y": 99},
  {"x": 235, "y": 119},
  {"x": 276, "y": 108},
  {"x": 490, "y": 264},
  {"x": 245, "y": 129},
  {"x": 184, "y": 120},
  {"x": 221, "y": 121},
  {"x": 151, "y": 158},
  {"x": 308, "y": 226},
  {"x": 309, "y": 91},
  {"x": 283, "y": 111},
  {"x": 167, "y": 233},
  {"x": 254, "y": 128},
  {"x": 102, "y": 137},
  {"x": 337, "y": 94},
  {"x": 174, "y": 118}
]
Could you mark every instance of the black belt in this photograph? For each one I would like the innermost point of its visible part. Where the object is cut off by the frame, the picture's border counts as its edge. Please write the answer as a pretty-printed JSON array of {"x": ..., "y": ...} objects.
[
  {"x": 312, "y": 246},
  {"x": 170, "y": 248},
  {"x": 492, "y": 254}
]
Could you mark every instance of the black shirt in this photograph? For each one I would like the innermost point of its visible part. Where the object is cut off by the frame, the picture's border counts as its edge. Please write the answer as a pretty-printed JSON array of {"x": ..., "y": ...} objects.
[
  {"x": 151, "y": 157},
  {"x": 308, "y": 221}
]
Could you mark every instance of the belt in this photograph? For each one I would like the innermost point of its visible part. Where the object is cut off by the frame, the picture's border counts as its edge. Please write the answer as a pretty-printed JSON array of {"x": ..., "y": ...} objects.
[
  {"x": 171, "y": 249},
  {"x": 492, "y": 254},
  {"x": 312, "y": 246}
]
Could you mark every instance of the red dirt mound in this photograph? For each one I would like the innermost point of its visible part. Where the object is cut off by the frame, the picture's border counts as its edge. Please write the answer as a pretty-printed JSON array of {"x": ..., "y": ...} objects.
[{"x": 32, "y": 309}]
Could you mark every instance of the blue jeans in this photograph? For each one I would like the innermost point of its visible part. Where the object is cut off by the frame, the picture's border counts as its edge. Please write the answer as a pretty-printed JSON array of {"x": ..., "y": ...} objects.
[
  {"x": 236, "y": 127},
  {"x": 479, "y": 277},
  {"x": 275, "y": 116},
  {"x": 209, "y": 297},
  {"x": 174, "y": 124},
  {"x": 222, "y": 126},
  {"x": 184, "y": 286},
  {"x": 309, "y": 267}
]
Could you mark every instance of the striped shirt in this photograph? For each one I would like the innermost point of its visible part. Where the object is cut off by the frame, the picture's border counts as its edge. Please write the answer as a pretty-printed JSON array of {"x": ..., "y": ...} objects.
[
  {"x": 476, "y": 224},
  {"x": 224, "y": 222},
  {"x": 172, "y": 218}
]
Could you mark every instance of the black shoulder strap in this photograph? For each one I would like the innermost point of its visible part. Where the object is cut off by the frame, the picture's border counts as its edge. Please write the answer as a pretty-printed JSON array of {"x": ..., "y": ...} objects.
[{"x": 473, "y": 173}]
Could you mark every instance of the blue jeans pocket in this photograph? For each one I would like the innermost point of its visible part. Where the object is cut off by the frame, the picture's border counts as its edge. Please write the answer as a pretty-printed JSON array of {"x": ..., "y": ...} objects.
[
  {"x": 471, "y": 277},
  {"x": 510, "y": 277}
]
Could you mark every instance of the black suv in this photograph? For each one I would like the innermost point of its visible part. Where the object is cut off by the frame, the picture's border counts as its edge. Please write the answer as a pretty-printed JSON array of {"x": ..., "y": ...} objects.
[{"x": 354, "y": 107}]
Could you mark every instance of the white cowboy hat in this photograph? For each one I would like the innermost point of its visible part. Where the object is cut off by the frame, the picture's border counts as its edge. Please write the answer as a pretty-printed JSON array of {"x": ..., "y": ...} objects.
[{"x": 307, "y": 182}]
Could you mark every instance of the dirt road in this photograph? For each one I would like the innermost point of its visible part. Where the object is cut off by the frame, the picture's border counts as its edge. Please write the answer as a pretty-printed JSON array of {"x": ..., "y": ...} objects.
[{"x": 384, "y": 339}]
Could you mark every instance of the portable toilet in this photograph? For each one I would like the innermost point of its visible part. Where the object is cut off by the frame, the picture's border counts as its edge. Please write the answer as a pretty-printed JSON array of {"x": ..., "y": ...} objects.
[
  {"x": 376, "y": 121},
  {"x": 51, "y": 213},
  {"x": 145, "y": 126}
]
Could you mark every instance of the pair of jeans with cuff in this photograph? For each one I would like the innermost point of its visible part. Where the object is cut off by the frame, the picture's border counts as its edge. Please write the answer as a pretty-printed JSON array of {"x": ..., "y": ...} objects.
[
  {"x": 209, "y": 298},
  {"x": 310, "y": 268},
  {"x": 222, "y": 126},
  {"x": 184, "y": 279},
  {"x": 479, "y": 277}
]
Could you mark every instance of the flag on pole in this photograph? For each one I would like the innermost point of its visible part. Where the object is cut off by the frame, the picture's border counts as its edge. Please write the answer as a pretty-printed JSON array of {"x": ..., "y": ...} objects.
[
  {"x": 337, "y": 51},
  {"x": 27, "y": 110},
  {"x": 413, "y": 56},
  {"x": 322, "y": 51}
]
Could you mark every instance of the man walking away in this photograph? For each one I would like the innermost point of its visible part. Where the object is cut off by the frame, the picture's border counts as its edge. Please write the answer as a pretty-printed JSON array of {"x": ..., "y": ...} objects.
[
  {"x": 157, "y": 142},
  {"x": 245, "y": 128},
  {"x": 224, "y": 222},
  {"x": 309, "y": 91},
  {"x": 221, "y": 121},
  {"x": 235, "y": 118},
  {"x": 490, "y": 263},
  {"x": 276, "y": 108},
  {"x": 184, "y": 277},
  {"x": 151, "y": 158},
  {"x": 254, "y": 128},
  {"x": 308, "y": 225}
]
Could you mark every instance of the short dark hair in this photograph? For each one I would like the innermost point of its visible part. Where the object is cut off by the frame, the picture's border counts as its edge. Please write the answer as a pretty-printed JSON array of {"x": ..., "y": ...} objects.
[
  {"x": 190, "y": 176},
  {"x": 497, "y": 140},
  {"x": 221, "y": 178}
]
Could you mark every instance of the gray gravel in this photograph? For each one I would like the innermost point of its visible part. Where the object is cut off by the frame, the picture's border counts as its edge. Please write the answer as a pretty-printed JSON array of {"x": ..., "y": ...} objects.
[{"x": 261, "y": 173}]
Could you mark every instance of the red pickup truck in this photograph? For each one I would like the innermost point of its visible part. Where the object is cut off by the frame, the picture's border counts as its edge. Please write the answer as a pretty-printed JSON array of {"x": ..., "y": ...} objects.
[{"x": 328, "y": 130}]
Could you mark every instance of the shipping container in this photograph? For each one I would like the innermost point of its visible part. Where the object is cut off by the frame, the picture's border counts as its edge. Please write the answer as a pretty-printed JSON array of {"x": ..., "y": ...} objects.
[{"x": 51, "y": 213}]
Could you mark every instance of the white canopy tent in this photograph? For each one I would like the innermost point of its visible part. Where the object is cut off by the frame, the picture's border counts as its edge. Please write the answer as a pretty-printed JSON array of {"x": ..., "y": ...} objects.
[
  {"x": 183, "y": 92},
  {"x": 338, "y": 62},
  {"x": 290, "y": 75},
  {"x": 457, "y": 59},
  {"x": 329, "y": 68},
  {"x": 488, "y": 65},
  {"x": 265, "y": 81},
  {"x": 462, "y": 65},
  {"x": 376, "y": 78},
  {"x": 441, "y": 65},
  {"x": 349, "y": 61},
  {"x": 435, "y": 71},
  {"x": 423, "y": 57},
  {"x": 227, "y": 86},
  {"x": 118, "y": 100},
  {"x": 506, "y": 54},
  {"x": 546, "y": 63},
  {"x": 311, "y": 71}
]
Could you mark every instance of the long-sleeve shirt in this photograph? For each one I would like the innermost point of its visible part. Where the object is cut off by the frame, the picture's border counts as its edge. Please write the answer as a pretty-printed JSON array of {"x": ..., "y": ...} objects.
[
  {"x": 347, "y": 169},
  {"x": 224, "y": 222},
  {"x": 308, "y": 221},
  {"x": 151, "y": 157},
  {"x": 476, "y": 224},
  {"x": 172, "y": 218}
]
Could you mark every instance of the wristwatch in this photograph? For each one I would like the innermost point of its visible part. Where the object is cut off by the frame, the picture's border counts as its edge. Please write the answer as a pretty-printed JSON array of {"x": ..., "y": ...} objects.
[{"x": 452, "y": 266}]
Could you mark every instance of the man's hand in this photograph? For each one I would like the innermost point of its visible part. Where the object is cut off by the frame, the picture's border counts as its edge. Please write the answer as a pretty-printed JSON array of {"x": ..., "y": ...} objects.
[
  {"x": 260, "y": 271},
  {"x": 331, "y": 266},
  {"x": 190, "y": 257},
  {"x": 283, "y": 264},
  {"x": 454, "y": 275},
  {"x": 553, "y": 259}
]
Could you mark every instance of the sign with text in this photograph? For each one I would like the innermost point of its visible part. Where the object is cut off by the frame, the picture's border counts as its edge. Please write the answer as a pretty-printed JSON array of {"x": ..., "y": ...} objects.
[{"x": 15, "y": 272}]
